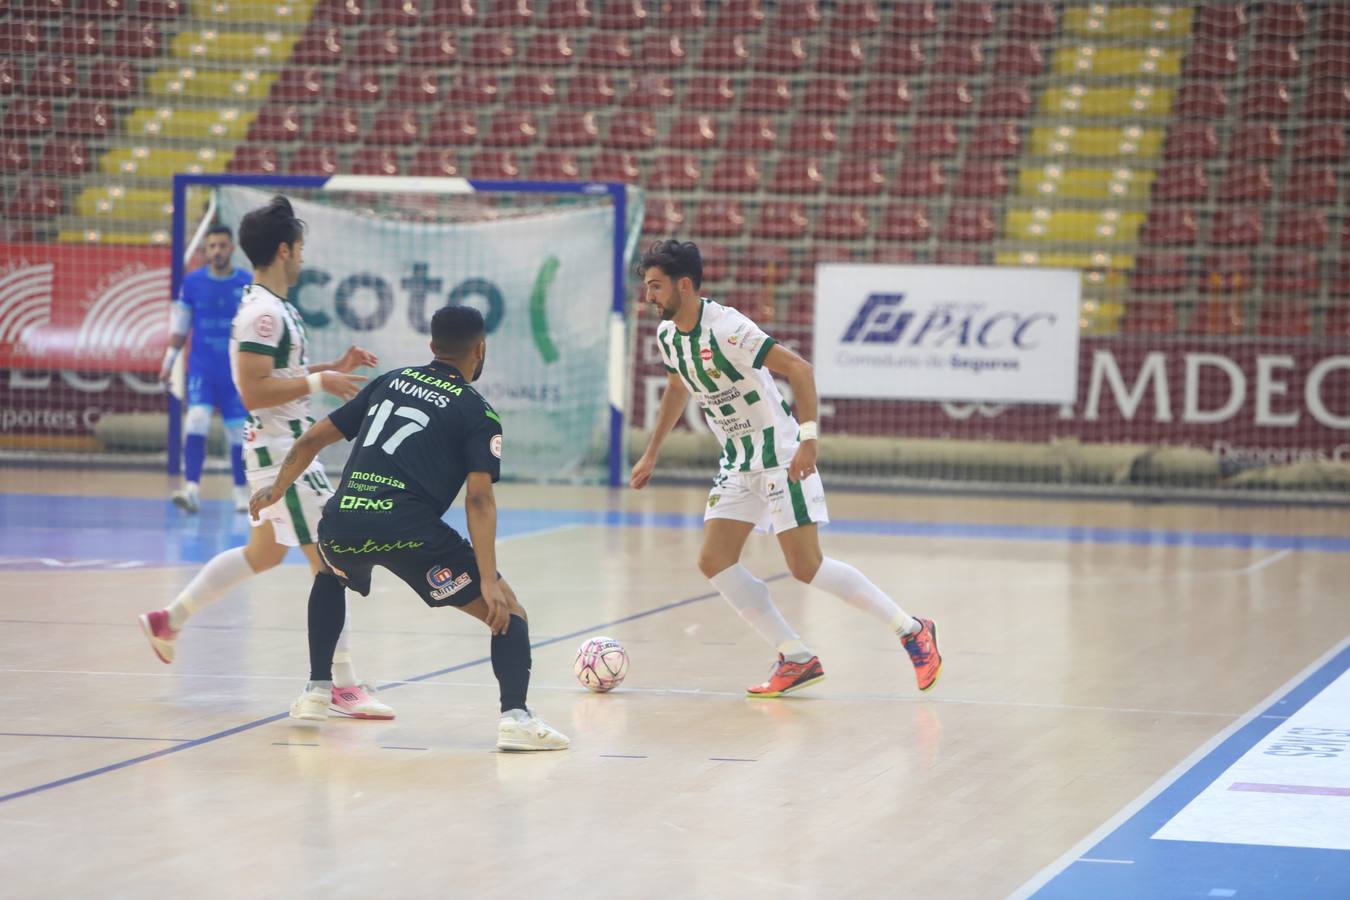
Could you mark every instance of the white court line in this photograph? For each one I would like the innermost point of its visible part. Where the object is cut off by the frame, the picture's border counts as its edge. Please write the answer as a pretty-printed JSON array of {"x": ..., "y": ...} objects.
[
  {"x": 696, "y": 692},
  {"x": 1043, "y": 877}
]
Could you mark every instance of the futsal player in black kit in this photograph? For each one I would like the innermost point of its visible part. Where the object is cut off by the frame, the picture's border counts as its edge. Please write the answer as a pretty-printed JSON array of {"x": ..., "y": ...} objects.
[{"x": 420, "y": 434}]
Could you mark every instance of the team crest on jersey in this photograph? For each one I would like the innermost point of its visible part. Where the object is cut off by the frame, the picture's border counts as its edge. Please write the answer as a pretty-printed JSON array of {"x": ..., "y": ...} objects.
[
  {"x": 444, "y": 582},
  {"x": 714, "y": 373},
  {"x": 495, "y": 445},
  {"x": 265, "y": 326},
  {"x": 733, "y": 340}
]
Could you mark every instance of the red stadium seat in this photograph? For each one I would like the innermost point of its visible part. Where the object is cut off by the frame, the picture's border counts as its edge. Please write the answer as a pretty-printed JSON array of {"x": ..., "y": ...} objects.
[
  {"x": 1265, "y": 101},
  {"x": 1211, "y": 59},
  {"x": 631, "y": 131},
  {"x": 616, "y": 165},
  {"x": 1327, "y": 100},
  {"x": 873, "y": 137},
  {"x": 827, "y": 96},
  {"x": 1152, "y": 315},
  {"x": 918, "y": 19},
  {"x": 981, "y": 178},
  {"x": 51, "y": 78},
  {"x": 811, "y": 134},
  {"x": 1181, "y": 181},
  {"x": 782, "y": 54},
  {"x": 436, "y": 162},
  {"x": 886, "y": 97},
  {"x": 550, "y": 50},
  {"x": 14, "y": 156},
  {"x": 33, "y": 199},
  {"x": 495, "y": 165},
  {"x": 739, "y": 15},
  {"x": 255, "y": 159},
  {"x": 756, "y": 133},
  {"x": 570, "y": 128},
  {"x": 22, "y": 38},
  {"x": 311, "y": 160},
  {"x": 472, "y": 89},
  {"x": 1302, "y": 228},
  {"x": 994, "y": 140},
  {"x": 567, "y": 14},
  {"x": 859, "y": 178},
  {"x": 27, "y": 117},
  {"x": 79, "y": 38},
  {"x": 1280, "y": 61},
  {"x": 798, "y": 17},
  {"x": 451, "y": 128},
  {"x": 842, "y": 222},
  {"x": 947, "y": 99},
  {"x": 905, "y": 224},
  {"x": 9, "y": 77},
  {"x": 507, "y": 14},
  {"x": 1284, "y": 318},
  {"x": 1201, "y": 100},
  {"x": 330, "y": 12},
  {"x": 1170, "y": 226},
  {"x": 299, "y": 85},
  {"x": 434, "y": 47},
  {"x": 1291, "y": 273},
  {"x": 416, "y": 86},
  {"x": 395, "y": 13},
  {"x": 1161, "y": 273},
  {"x": 719, "y": 218},
  {"x": 1282, "y": 20},
  {"x": 855, "y": 17},
  {"x": 971, "y": 18},
  {"x": 558, "y": 165},
  {"x": 1246, "y": 183},
  {"x": 662, "y": 216},
  {"x": 822, "y": 254},
  {"x": 725, "y": 53},
  {"x": 621, "y": 15},
  {"x": 735, "y": 174},
  {"x": 321, "y": 45},
  {"x": 766, "y": 94},
  {"x": 395, "y": 126},
  {"x": 1332, "y": 61},
  {"x": 111, "y": 79},
  {"x": 335, "y": 125},
  {"x": 357, "y": 84},
  {"x": 919, "y": 178},
  {"x": 89, "y": 119},
  {"x": 664, "y": 51},
  {"x": 769, "y": 264},
  {"x": 693, "y": 131},
  {"x": 841, "y": 56},
  {"x": 1191, "y": 140},
  {"x": 1035, "y": 20},
  {"x": 797, "y": 175},
  {"x": 591, "y": 90},
  {"x": 1006, "y": 100},
  {"x": 650, "y": 92},
  {"x": 1255, "y": 142},
  {"x": 959, "y": 57},
  {"x": 277, "y": 123},
  {"x": 970, "y": 224},
  {"x": 675, "y": 172},
  {"x": 1019, "y": 58},
  {"x": 1222, "y": 20},
  {"x": 933, "y": 139},
  {"x": 455, "y": 13},
  {"x": 375, "y": 161},
  {"x": 781, "y": 220},
  {"x": 710, "y": 93},
  {"x": 495, "y": 49},
  {"x": 1312, "y": 183},
  {"x": 899, "y": 55},
  {"x": 1236, "y": 227}
]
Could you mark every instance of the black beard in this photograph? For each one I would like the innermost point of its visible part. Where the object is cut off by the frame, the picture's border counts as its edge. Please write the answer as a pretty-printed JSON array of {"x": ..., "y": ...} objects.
[{"x": 667, "y": 314}]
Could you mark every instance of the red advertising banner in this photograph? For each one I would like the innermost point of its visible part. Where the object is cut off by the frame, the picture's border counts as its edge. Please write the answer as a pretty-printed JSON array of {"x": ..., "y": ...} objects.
[
  {"x": 86, "y": 307},
  {"x": 1257, "y": 400},
  {"x": 62, "y": 409}
]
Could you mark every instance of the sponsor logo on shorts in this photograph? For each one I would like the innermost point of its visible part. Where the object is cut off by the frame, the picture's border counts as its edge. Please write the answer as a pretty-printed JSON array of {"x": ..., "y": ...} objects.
[
  {"x": 358, "y": 503},
  {"x": 495, "y": 445},
  {"x": 371, "y": 547},
  {"x": 265, "y": 326},
  {"x": 712, "y": 500},
  {"x": 444, "y": 583}
]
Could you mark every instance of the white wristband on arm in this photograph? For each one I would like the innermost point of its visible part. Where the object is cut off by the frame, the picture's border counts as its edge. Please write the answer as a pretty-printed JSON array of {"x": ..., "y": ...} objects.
[
  {"x": 315, "y": 381},
  {"x": 170, "y": 356},
  {"x": 810, "y": 431}
]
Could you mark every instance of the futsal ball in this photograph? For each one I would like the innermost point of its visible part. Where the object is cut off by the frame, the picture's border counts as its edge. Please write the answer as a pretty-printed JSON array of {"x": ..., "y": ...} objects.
[{"x": 601, "y": 664}]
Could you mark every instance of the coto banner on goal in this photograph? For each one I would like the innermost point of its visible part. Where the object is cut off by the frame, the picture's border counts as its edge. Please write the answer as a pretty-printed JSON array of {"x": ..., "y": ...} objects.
[
  {"x": 947, "y": 333},
  {"x": 543, "y": 282}
]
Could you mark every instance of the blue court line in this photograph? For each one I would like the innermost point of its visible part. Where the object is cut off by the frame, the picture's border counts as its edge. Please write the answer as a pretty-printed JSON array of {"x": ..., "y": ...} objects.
[
  {"x": 91, "y": 737},
  {"x": 1168, "y": 868},
  {"x": 258, "y": 723}
]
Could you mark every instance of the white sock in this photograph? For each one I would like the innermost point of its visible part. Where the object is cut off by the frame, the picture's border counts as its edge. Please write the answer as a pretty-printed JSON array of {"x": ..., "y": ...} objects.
[
  {"x": 852, "y": 586},
  {"x": 344, "y": 673},
  {"x": 750, "y": 598},
  {"x": 215, "y": 579}
]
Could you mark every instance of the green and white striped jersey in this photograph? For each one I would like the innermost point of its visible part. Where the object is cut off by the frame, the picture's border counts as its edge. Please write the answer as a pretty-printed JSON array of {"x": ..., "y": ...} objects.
[
  {"x": 721, "y": 362},
  {"x": 267, "y": 324}
]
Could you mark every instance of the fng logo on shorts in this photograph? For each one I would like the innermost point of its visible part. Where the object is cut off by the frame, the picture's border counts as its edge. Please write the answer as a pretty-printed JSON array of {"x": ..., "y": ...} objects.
[
  {"x": 366, "y": 503},
  {"x": 879, "y": 321},
  {"x": 444, "y": 583}
]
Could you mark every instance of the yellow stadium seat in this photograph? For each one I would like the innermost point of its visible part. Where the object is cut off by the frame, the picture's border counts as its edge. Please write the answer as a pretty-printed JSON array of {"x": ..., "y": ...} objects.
[
  {"x": 1103, "y": 279},
  {"x": 261, "y": 12},
  {"x": 102, "y": 236},
  {"x": 1097, "y": 102},
  {"x": 116, "y": 202},
  {"x": 1108, "y": 226},
  {"x": 230, "y": 123},
  {"x": 1110, "y": 20},
  {"x": 1081, "y": 261},
  {"x": 1119, "y": 183},
  {"x": 1068, "y": 140},
  {"x": 1114, "y": 62},
  {"x": 197, "y": 84},
  {"x": 159, "y": 162},
  {"x": 233, "y": 46}
]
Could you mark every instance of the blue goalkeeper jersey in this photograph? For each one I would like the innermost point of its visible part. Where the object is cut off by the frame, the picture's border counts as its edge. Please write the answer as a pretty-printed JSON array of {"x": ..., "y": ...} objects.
[{"x": 213, "y": 302}]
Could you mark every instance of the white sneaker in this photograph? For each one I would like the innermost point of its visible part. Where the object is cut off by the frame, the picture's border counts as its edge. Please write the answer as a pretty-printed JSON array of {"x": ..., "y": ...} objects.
[
  {"x": 241, "y": 498},
  {"x": 312, "y": 705},
  {"x": 519, "y": 729},
  {"x": 360, "y": 702},
  {"x": 188, "y": 499}
]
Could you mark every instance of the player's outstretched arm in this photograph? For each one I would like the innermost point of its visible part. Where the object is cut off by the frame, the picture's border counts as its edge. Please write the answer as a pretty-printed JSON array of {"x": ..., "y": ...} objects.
[
  {"x": 354, "y": 358},
  {"x": 180, "y": 323},
  {"x": 259, "y": 387},
  {"x": 672, "y": 407},
  {"x": 799, "y": 374},
  {"x": 480, "y": 508},
  {"x": 303, "y": 451}
]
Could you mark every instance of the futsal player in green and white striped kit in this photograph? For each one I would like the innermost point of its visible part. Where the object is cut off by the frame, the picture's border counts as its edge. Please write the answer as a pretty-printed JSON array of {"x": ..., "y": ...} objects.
[{"x": 767, "y": 477}]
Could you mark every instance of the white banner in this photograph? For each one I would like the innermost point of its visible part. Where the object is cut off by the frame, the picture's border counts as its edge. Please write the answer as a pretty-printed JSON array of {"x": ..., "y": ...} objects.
[
  {"x": 544, "y": 283},
  {"x": 1006, "y": 335}
]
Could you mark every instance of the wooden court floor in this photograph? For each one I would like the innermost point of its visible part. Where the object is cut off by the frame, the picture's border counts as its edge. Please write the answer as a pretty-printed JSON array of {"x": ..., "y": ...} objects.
[{"x": 1089, "y": 648}]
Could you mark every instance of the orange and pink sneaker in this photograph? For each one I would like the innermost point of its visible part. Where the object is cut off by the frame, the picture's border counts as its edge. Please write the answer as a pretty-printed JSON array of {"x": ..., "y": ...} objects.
[
  {"x": 155, "y": 624},
  {"x": 788, "y": 676},
  {"x": 922, "y": 647},
  {"x": 360, "y": 702}
]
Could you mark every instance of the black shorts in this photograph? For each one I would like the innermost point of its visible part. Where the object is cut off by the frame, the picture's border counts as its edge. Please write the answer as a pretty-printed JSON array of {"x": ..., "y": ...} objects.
[{"x": 432, "y": 559}]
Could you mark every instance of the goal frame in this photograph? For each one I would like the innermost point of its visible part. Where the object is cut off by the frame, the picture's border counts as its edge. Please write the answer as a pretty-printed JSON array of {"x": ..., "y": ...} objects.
[{"x": 617, "y": 192}]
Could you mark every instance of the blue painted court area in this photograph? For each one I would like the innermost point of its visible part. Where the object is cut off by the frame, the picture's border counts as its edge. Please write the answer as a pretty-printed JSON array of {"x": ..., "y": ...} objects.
[
  {"x": 1264, "y": 814},
  {"x": 34, "y": 527}
]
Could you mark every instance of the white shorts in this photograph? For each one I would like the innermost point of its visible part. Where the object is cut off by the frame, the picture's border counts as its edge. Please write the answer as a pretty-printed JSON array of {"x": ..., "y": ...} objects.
[
  {"x": 295, "y": 517},
  {"x": 767, "y": 499}
]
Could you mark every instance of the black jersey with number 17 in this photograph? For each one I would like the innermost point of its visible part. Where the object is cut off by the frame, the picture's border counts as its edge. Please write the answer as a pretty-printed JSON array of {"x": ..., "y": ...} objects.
[{"x": 418, "y": 433}]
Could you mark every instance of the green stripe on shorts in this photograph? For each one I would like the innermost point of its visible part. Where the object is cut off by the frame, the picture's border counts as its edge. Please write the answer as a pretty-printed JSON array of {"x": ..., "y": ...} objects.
[
  {"x": 264, "y": 457},
  {"x": 298, "y": 516},
  {"x": 798, "y": 503}
]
